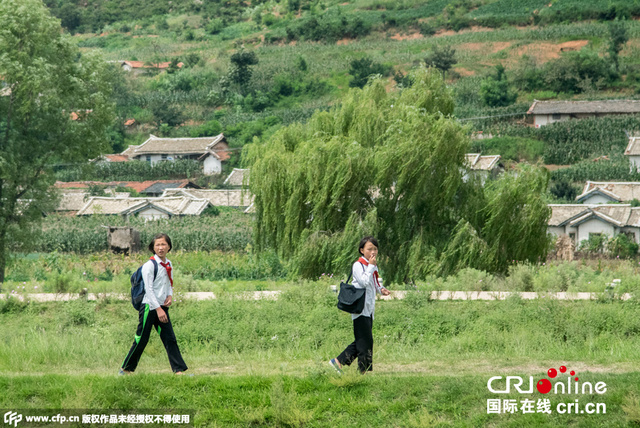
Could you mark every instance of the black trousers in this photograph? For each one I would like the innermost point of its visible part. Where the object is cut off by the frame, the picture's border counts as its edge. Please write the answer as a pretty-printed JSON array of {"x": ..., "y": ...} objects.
[
  {"x": 148, "y": 319},
  {"x": 362, "y": 347}
]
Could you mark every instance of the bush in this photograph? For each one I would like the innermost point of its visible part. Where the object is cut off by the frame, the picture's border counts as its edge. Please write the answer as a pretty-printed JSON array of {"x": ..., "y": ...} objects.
[
  {"x": 594, "y": 244},
  {"x": 622, "y": 246},
  {"x": 510, "y": 148},
  {"x": 329, "y": 27},
  {"x": 362, "y": 69}
]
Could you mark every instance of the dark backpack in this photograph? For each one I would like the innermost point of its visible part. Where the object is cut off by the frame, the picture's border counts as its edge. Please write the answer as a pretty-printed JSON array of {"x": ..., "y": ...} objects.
[
  {"x": 351, "y": 299},
  {"x": 137, "y": 285}
]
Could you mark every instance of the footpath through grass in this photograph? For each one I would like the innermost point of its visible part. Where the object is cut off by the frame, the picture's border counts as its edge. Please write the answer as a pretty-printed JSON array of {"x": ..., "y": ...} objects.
[{"x": 264, "y": 362}]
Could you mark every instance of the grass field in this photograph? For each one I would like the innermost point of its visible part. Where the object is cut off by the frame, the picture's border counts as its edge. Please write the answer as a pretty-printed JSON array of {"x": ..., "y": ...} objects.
[{"x": 263, "y": 363}]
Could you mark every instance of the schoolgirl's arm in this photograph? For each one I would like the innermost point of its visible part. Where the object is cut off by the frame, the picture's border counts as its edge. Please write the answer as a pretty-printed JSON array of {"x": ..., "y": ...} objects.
[{"x": 147, "y": 277}]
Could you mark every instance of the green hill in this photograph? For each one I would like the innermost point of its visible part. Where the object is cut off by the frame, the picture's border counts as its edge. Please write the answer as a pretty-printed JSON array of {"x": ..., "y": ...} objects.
[{"x": 251, "y": 67}]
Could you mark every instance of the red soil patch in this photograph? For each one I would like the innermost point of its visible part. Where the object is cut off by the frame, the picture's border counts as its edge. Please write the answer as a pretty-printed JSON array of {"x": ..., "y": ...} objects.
[
  {"x": 556, "y": 167},
  {"x": 547, "y": 51},
  {"x": 412, "y": 36},
  {"x": 492, "y": 47},
  {"x": 464, "y": 72},
  {"x": 474, "y": 29}
]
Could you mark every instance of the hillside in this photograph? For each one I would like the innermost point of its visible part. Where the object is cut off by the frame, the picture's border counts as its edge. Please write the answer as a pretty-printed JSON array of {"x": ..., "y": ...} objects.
[{"x": 250, "y": 67}]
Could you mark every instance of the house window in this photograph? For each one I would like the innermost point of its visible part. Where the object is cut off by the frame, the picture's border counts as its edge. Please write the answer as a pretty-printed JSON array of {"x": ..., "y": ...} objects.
[
  {"x": 556, "y": 116},
  {"x": 630, "y": 235},
  {"x": 572, "y": 236},
  {"x": 149, "y": 158},
  {"x": 164, "y": 157}
]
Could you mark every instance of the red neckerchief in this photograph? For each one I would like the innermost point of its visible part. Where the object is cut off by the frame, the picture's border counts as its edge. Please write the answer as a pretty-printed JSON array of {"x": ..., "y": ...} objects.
[
  {"x": 167, "y": 266},
  {"x": 375, "y": 272}
]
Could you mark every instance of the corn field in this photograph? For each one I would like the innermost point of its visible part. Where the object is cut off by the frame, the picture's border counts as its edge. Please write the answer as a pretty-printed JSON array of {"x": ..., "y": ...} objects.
[
  {"x": 130, "y": 171},
  {"x": 230, "y": 231}
]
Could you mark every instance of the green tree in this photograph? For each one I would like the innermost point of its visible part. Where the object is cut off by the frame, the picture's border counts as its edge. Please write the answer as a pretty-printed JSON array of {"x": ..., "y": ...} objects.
[
  {"x": 362, "y": 69},
  {"x": 57, "y": 112},
  {"x": 388, "y": 164},
  {"x": 496, "y": 90},
  {"x": 442, "y": 58},
  {"x": 240, "y": 71},
  {"x": 165, "y": 113},
  {"x": 617, "y": 38}
]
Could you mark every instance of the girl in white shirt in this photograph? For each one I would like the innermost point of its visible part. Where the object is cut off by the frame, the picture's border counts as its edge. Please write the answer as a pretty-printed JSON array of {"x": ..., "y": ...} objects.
[
  {"x": 365, "y": 275},
  {"x": 153, "y": 313}
]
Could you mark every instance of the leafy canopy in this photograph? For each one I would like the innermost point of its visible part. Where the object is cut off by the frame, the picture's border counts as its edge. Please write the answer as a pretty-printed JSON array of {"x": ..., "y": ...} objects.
[
  {"x": 55, "y": 108},
  {"x": 389, "y": 164}
]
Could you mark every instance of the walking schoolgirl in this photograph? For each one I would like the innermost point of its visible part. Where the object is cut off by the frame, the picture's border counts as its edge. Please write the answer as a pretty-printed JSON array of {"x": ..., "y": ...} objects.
[
  {"x": 365, "y": 275},
  {"x": 153, "y": 313}
]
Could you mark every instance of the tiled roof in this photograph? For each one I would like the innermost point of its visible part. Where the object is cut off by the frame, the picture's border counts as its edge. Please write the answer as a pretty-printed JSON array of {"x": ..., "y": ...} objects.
[
  {"x": 619, "y": 214},
  {"x": 116, "y": 158},
  {"x": 157, "y": 186},
  {"x": 72, "y": 201},
  {"x": 180, "y": 205},
  {"x": 618, "y": 191},
  {"x": 569, "y": 107},
  {"x": 236, "y": 177},
  {"x": 482, "y": 163},
  {"x": 128, "y": 152},
  {"x": 177, "y": 146},
  {"x": 142, "y": 64},
  {"x": 217, "y": 197},
  {"x": 633, "y": 147},
  {"x": 129, "y": 122}
]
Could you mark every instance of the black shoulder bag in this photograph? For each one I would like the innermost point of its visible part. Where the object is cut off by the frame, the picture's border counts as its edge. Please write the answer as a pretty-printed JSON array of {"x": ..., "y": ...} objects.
[{"x": 351, "y": 299}]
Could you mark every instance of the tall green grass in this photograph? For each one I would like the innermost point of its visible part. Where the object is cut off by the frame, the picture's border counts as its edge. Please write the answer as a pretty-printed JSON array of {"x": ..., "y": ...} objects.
[
  {"x": 304, "y": 328},
  {"x": 317, "y": 399}
]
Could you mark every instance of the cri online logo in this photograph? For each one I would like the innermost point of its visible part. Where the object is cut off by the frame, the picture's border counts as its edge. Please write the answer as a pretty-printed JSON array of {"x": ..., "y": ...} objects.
[{"x": 544, "y": 386}]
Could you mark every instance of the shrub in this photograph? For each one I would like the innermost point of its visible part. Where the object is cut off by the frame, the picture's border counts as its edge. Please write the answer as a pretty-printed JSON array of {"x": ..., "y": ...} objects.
[{"x": 622, "y": 246}]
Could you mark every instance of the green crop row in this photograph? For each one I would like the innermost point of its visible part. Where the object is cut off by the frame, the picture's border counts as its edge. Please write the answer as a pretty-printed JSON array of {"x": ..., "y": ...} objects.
[{"x": 230, "y": 231}]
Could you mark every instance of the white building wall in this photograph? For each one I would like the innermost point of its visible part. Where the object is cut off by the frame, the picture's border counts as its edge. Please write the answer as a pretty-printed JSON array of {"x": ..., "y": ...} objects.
[
  {"x": 153, "y": 158},
  {"x": 212, "y": 165},
  {"x": 634, "y": 162},
  {"x": 152, "y": 214},
  {"x": 597, "y": 199},
  {"x": 594, "y": 226},
  {"x": 556, "y": 230}
]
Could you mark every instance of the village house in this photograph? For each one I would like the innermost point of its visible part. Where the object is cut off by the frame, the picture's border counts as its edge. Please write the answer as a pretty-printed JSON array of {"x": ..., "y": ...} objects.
[
  {"x": 546, "y": 112},
  {"x": 236, "y": 198},
  {"x": 607, "y": 192},
  {"x": 236, "y": 178},
  {"x": 633, "y": 153},
  {"x": 211, "y": 151},
  {"x": 482, "y": 166},
  {"x": 579, "y": 221},
  {"x": 146, "y": 208},
  {"x": 75, "y": 194},
  {"x": 138, "y": 67}
]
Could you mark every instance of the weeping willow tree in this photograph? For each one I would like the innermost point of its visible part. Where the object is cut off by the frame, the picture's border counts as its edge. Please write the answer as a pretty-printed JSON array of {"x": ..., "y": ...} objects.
[{"x": 388, "y": 164}]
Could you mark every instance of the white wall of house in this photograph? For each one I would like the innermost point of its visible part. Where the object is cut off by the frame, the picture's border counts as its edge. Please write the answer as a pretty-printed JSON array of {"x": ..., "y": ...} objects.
[
  {"x": 572, "y": 232},
  {"x": 545, "y": 119},
  {"x": 212, "y": 165},
  {"x": 152, "y": 214},
  {"x": 594, "y": 226},
  {"x": 634, "y": 162},
  {"x": 154, "y": 159},
  {"x": 598, "y": 199},
  {"x": 556, "y": 230}
]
